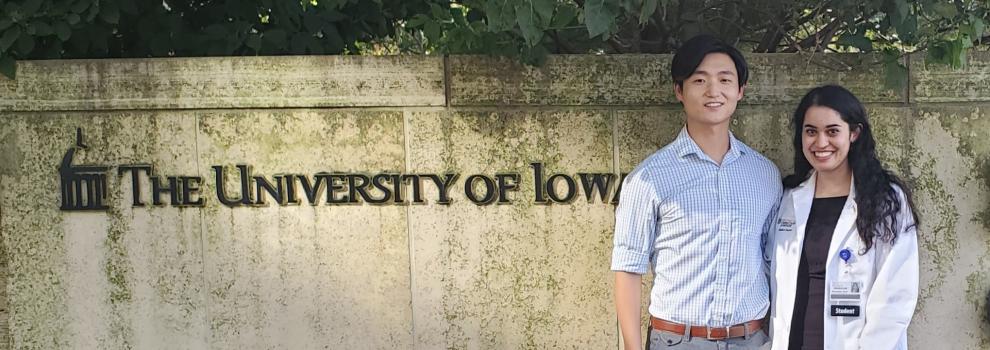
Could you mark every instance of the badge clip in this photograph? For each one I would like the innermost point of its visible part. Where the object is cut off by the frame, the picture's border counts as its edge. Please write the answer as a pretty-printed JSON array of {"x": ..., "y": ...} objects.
[{"x": 845, "y": 254}]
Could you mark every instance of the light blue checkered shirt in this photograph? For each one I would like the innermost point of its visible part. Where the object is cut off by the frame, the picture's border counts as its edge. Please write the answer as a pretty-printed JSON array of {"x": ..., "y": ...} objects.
[{"x": 703, "y": 227}]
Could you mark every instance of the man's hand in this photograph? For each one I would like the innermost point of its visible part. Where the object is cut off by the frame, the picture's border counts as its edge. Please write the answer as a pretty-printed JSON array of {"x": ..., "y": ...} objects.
[{"x": 627, "y": 303}]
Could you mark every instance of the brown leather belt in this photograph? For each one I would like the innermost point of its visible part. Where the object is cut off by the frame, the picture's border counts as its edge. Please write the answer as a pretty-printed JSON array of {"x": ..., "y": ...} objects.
[{"x": 710, "y": 333}]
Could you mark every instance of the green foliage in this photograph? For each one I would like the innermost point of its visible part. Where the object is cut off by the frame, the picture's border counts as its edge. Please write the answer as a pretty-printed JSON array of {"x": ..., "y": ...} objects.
[
  {"x": 527, "y": 30},
  {"x": 945, "y": 28},
  {"x": 41, "y": 29}
]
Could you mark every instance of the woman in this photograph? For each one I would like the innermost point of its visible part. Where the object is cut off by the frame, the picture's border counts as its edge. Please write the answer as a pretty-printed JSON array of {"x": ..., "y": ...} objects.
[{"x": 844, "y": 248}]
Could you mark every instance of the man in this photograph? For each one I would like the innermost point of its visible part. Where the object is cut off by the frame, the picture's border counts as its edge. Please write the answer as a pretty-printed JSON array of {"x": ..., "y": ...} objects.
[{"x": 697, "y": 212}]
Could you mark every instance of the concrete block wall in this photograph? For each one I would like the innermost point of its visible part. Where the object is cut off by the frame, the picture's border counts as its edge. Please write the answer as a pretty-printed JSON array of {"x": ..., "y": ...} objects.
[{"x": 522, "y": 275}]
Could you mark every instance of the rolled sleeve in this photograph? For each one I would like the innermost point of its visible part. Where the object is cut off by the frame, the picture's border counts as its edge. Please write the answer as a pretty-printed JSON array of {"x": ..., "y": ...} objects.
[{"x": 635, "y": 224}]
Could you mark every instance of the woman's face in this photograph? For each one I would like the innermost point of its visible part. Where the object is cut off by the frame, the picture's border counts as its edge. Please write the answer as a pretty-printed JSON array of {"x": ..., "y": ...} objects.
[{"x": 825, "y": 139}]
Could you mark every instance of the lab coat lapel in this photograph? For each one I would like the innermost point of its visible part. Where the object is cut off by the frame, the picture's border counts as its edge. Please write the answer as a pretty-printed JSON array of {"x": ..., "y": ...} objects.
[
  {"x": 801, "y": 198},
  {"x": 845, "y": 227}
]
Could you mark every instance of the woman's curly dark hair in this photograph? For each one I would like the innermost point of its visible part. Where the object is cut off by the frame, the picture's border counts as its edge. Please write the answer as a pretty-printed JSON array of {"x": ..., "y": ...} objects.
[{"x": 876, "y": 198}]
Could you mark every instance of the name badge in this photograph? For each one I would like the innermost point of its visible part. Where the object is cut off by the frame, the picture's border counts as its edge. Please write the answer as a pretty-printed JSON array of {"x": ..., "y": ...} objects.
[
  {"x": 785, "y": 225},
  {"x": 846, "y": 291},
  {"x": 845, "y": 297},
  {"x": 845, "y": 310}
]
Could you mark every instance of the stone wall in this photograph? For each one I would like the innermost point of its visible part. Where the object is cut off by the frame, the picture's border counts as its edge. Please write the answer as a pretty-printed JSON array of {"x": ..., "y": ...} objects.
[{"x": 522, "y": 275}]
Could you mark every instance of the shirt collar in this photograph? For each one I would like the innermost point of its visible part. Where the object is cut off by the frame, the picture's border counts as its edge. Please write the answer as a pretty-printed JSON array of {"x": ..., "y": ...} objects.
[
  {"x": 686, "y": 146},
  {"x": 809, "y": 185}
]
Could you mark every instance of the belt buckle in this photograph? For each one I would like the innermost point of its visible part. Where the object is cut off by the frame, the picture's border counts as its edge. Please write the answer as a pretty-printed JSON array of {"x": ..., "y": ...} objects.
[{"x": 709, "y": 333}]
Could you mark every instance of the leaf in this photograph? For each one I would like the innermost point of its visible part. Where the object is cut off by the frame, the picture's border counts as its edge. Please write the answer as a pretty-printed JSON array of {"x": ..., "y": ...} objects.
[
  {"x": 159, "y": 45},
  {"x": 80, "y": 43},
  {"x": 937, "y": 53},
  {"x": 42, "y": 29},
  {"x": 25, "y": 44},
  {"x": 91, "y": 14},
  {"x": 253, "y": 42},
  {"x": 460, "y": 17},
  {"x": 216, "y": 31},
  {"x": 30, "y": 7},
  {"x": 312, "y": 23},
  {"x": 598, "y": 18},
  {"x": 432, "y": 31},
  {"x": 297, "y": 45},
  {"x": 895, "y": 75},
  {"x": 4, "y": 23},
  {"x": 565, "y": 14},
  {"x": 856, "y": 40},
  {"x": 649, "y": 7},
  {"x": 110, "y": 12},
  {"x": 81, "y": 5},
  {"x": 72, "y": 18},
  {"x": 907, "y": 28},
  {"x": 417, "y": 21},
  {"x": 946, "y": 10},
  {"x": 8, "y": 37},
  {"x": 960, "y": 49},
  {"x": 52, "y": 51},
  {"x": 525, "y": 17},
  {"x": 950, "y": 52},
  {"x": 979, "y": 26},
  {"x": 8, "y": 66},
  {"x": 973, "y": 28},
  {"x": 275, "y": 37},
  {"x": 901, "y": 10},
  {"x": 335, "y": 43},
  {"x": 333, "y": 16},
  {"x": 62, "y": 31},
  {"x": 534, "y": 55},
  {"x": 502, "y": 17},
  {"x": 128, "y": 7},
  {"x": 544, "y": 9},
  {"x": 438, "y": 12}
]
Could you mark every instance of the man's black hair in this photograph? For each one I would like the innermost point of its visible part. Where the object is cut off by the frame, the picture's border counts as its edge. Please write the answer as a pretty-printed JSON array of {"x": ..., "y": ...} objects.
[{"x": 689, "y": 57}]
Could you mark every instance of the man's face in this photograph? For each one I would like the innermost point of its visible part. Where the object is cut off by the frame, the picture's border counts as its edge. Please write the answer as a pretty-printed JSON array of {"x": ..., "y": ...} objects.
[{"x": 711, "y": 93}]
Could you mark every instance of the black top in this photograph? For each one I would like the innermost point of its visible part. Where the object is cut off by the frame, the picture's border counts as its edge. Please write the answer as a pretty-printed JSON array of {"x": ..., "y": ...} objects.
[{"x": 808, "y": 321}]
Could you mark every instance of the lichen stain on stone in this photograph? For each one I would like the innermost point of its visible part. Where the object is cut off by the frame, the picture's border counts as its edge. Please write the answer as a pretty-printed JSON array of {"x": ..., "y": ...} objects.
[
  {"x": 983, "y": 171},
  {"x": 10, "y": 153},
  {"x": 35, "y": 281},
  {"x": 940, "y": 242},
  {"x": 766, "y": 129},
  {"x": 500, "y": 300},
  {"x": 118, "y": 271},
  {"x": 891, "y": 136},
  {"x": 976, "y": 295},
  {"x": 973, "y": 133},
  {"x": 640, "y": 133}
]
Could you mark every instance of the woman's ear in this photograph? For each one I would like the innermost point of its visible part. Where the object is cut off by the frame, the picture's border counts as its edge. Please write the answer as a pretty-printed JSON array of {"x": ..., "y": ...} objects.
[{"x": 854, "y": 133}]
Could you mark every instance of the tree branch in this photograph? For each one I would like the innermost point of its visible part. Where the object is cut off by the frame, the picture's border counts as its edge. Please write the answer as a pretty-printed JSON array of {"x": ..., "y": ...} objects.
[{"x": 815, "y": 40}]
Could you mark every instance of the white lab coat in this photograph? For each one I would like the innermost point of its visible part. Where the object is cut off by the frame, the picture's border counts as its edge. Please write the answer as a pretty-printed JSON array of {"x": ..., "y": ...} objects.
[{"x": 888, "y": 274}]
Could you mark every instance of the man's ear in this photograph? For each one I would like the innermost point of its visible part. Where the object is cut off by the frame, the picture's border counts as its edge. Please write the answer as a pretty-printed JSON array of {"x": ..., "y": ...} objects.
[
  {"x": 742, "y": 91},
  {"x": 679, "y": 92}
]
